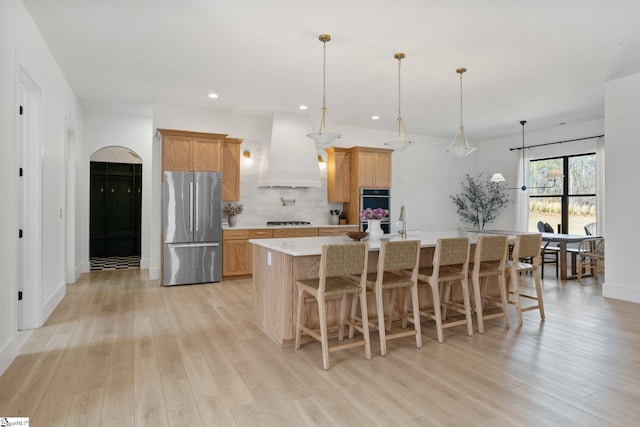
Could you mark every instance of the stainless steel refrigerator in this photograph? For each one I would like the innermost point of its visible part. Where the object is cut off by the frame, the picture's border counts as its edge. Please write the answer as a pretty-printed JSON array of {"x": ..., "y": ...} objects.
[{"x": 192, "y": 227}]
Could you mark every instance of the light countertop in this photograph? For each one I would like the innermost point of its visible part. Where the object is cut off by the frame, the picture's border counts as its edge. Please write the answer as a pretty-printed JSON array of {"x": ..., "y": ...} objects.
[
  {"x": 304, "y": 246},
  {"x": 261, "y": 226}
]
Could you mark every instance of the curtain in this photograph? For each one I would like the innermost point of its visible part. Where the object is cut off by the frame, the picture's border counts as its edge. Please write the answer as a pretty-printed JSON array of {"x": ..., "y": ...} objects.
[
  {"x": 522, "y": 197},
  {"x": 600, "y": 187}
]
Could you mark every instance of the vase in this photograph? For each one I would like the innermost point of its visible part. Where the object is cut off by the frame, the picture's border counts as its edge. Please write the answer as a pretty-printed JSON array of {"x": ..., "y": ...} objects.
[
  {"x": 232, "y": 221},
  {"x": 374, "y": 229}
]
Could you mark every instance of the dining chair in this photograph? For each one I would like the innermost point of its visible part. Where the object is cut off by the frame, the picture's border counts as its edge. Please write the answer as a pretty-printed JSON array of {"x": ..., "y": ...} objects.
[
  {"x": 526, "y": 246},
  {"x": 450, "y": 264},
  {"x": 338, "y": 264},
  {"x": 550, "y": 254},
  {"x": 590, "y": 257},
  {"x": 590, "y": 229},
  {"x": 489, "y": 260},
  {"x": 397, "y": 269}
]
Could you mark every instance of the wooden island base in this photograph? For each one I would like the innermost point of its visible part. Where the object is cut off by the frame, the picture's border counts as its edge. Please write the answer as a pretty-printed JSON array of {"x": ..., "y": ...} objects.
[{"x": 275, "y": 295}]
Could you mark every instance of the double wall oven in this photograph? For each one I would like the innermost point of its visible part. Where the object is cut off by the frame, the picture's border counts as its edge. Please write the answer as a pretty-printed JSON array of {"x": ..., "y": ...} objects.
[{"x": 376, "y": 198}]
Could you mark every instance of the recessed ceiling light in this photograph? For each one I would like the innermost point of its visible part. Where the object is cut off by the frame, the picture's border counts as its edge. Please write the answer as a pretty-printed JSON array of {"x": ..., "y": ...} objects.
[
  {"x": 213, "y": 95},
  {"x": 302, "y": 107},
  {"x": 375, "y": 117},
  {"x": 562, "y": 123}
]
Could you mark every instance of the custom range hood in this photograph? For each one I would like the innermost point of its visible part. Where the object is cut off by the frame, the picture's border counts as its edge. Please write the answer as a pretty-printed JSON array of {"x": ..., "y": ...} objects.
[{"x": 289, "y": 159}]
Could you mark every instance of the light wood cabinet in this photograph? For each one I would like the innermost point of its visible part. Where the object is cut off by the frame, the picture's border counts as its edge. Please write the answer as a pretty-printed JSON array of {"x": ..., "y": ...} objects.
[
  {"x": 295, "y": 232},
  {"x": 231, "y": 168},
  {"x": 236, "y": 250},
  {"x": 191, "y": 151},
  {"x": 338, "y": 174},
  {"x": 335, "y": 231},
  {"x": 370, "y": 168}
]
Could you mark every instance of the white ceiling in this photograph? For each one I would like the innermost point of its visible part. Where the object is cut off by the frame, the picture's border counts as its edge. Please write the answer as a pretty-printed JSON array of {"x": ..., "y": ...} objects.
[{"x": 544, "y": 61}]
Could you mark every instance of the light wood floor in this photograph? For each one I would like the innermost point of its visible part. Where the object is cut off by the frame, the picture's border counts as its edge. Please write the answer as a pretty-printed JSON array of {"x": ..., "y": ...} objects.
[{"x": 123, "y": 351}]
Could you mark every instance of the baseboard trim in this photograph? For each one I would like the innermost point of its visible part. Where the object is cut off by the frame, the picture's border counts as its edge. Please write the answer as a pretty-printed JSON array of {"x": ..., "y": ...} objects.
[
  {"x": 8, "y": 353},
  {"x": 53, "y": 302},
  {"x": 85, "y": 267},
  {"x": 621, "y": 292},
  {"x": 154, "y": 273}
]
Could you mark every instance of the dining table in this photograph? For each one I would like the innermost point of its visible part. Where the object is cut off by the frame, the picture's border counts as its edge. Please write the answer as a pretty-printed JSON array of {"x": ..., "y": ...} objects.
[{"x": 561, "y": 239}]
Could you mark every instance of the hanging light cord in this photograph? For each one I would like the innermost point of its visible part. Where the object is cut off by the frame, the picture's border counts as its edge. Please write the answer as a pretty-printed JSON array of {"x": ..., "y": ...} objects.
[
  {"x": 461, "y": 99},
  {"x": 399, "y": 93},
  {"x": 522, "y": 122},
  {"x": 324, "y": 71},
  {"x": 401, "y": 131}
]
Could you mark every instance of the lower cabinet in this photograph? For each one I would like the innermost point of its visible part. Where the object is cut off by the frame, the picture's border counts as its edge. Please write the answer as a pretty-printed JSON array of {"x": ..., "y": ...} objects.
[{"x": 236, "y": 253}]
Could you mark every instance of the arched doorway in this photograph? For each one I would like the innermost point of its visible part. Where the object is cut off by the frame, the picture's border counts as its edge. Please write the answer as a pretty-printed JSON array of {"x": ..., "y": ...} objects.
[{"x": 115, "y": 208}]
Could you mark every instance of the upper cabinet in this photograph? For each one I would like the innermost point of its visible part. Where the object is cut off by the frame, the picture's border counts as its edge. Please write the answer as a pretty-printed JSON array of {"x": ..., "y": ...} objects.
[
  {"x": 231, "y": 168},
  {"x": 191, "y": 151},
  {"x": 370, "y": 168},
  {"x": 338, "y": 174}
]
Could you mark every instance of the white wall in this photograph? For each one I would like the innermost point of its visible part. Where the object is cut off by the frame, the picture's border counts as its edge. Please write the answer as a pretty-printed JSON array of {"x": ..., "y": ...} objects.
[
  {"x": 135, "y": 132},
  {"x": 21, "y": 45},
  {"x": 623, "y": 205},
  {"x": 496, "y": 156}
]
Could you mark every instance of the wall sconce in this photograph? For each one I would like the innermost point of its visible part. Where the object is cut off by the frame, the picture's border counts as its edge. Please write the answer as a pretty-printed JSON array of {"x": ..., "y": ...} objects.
[
  {"x": 321, "y": 163},
  {"x": 248, "y": 161}
]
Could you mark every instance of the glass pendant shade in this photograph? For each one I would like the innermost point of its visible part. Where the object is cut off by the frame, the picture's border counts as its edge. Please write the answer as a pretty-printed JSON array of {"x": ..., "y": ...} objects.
[
  {"x": 459, "y": 145},
  {"x": 321, "y": 135},
  {"x": 402, "y": 142}
]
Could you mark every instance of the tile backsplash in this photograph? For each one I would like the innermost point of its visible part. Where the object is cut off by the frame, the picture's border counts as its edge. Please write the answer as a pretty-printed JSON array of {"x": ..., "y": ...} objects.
[{"x": 262, "y": 204}]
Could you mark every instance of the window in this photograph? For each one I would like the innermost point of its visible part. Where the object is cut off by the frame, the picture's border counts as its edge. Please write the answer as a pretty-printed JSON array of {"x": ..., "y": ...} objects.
[{"x": 570, "y": 204}]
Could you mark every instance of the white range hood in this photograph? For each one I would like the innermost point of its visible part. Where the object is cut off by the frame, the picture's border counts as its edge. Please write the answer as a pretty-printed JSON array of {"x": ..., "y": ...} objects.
[{"x": 290, "y": 159}]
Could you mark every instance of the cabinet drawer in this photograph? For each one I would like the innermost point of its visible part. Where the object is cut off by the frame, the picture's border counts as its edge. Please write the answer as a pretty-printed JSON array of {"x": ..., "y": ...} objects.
[
  {"x": 335, "y": 231},
  {"x": 260, "y": 233},
  {"x": 235, "y": 234},
  {"x": 295, "y": 232}
]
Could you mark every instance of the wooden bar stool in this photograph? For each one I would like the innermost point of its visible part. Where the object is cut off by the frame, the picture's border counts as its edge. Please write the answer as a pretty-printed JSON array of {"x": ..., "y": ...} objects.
[
  {"x": 450, "y": 264},
  {"x": 337, "y": 264},
  {"x": 490, "y": 260},
  {"x": 526, "y": 246},
  {"x": 394, "y": 260}
]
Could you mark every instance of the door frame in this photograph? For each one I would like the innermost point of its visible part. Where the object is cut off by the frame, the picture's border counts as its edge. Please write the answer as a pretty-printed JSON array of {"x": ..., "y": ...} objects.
[{"x": 29, "y": 259}]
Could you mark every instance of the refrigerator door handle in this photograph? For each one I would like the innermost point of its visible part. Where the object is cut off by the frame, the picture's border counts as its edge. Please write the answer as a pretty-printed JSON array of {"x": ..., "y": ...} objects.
[
  {"x": 191, "y": 206},
  {"x": 193, "y": 245},
  {"x": 196, "y": 207}
]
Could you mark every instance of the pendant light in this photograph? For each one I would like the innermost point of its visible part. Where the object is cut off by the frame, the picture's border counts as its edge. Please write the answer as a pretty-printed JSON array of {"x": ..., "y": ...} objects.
[
  {"x": 321, "y": 136},
  {"x": 552, "y": 174},
  {"x": 460, "y": 146},
  {"x": 403, "y": 141}
]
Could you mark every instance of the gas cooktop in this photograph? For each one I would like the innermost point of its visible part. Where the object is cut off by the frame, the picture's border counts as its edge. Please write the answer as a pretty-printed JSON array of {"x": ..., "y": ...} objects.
[{"x": 288, "y": 223}]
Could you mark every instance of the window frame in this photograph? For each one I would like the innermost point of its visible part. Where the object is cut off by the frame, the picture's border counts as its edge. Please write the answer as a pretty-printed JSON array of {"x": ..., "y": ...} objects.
[{"x": 564, "y": 196}]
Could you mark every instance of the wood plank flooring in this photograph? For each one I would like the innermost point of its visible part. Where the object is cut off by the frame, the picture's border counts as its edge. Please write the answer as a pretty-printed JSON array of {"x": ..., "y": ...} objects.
[{"x": 120, "y": 350}]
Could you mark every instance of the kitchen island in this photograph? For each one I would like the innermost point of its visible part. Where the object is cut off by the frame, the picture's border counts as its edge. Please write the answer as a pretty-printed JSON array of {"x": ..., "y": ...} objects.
[{"x": 277, "y": 263}]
